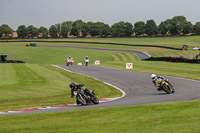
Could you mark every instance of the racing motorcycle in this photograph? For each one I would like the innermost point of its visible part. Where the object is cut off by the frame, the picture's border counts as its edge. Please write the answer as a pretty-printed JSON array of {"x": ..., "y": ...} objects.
[
  {"x": 70, "y": 62},
  {"x": 86, "y": 62},
  {"x": 84, "y": 97},
  {"x": 163, "y": 85}
]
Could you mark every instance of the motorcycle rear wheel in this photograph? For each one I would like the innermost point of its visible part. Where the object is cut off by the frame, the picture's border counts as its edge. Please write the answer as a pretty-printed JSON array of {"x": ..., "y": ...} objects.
[
  {"x": 95, "y": 100},
  {"x": 166, "y": 89}
]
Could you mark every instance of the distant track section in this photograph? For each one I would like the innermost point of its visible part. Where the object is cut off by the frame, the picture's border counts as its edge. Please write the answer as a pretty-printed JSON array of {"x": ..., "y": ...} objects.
[{"x": 140, "y": 55}]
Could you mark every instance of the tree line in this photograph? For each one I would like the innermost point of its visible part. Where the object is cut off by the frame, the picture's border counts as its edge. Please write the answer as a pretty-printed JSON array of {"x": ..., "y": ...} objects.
[{"x": 178, "y": 25}]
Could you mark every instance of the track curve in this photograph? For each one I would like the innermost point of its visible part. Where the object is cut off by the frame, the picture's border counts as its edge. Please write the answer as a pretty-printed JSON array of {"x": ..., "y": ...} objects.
[
  {"x": 137, "y": 86},
  {"x": 140, "y": 55}
]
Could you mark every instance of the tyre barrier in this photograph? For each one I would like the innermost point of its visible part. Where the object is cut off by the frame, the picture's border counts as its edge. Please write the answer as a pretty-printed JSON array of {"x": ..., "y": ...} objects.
[{"x": 173, "y": 59}]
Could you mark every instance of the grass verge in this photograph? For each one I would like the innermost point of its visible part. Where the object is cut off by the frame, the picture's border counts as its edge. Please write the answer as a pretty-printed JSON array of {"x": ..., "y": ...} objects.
[{"x": 181, "y": 117}]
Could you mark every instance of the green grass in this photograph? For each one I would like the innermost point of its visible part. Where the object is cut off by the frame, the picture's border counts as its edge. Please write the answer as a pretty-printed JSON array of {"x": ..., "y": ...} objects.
[
  {"x": 47, "y": 86},
  {"x": 49, "y": 55},
  {"x": 31, "y": 85},
  {"x": 177, "y": 42},
  {"x": 176, "y": 117},
  {"x": 184, "y": 70}
]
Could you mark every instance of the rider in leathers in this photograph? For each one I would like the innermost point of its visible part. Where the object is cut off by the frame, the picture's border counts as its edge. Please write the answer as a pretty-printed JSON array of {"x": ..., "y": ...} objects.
[{"x": 156, "y": 78}]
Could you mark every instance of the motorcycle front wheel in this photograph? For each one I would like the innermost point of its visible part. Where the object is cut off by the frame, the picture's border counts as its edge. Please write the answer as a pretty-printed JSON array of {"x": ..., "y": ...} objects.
[{"x": 80, "y": 100}]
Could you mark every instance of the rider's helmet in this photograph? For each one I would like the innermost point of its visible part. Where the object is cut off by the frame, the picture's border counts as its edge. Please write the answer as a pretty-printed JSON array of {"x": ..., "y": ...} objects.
[
  {"x": 86, "y": 57},
  {"x": 72, "y": 85},
  {"x": 153, "y": 76},
  {"x": 69, "y": 57}
]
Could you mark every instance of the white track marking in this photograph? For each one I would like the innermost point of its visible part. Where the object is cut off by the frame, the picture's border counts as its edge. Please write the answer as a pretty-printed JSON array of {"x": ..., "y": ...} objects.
[{"x": 114, "y": 98}]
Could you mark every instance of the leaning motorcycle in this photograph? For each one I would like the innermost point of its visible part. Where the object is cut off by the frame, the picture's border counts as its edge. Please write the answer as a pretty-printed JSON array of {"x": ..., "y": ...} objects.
[
  {"x": 69, "y": 62},
  {"x": 86, "y": 96},
  {"x": 163, "y": 85}
]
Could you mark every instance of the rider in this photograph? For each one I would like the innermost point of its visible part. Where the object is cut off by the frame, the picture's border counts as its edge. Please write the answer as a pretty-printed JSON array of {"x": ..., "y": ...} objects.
[
  {"x": 86, "y": 59},
  {"x": 73, "y": 86},
  {"x": 156, "y": 78},
  {"x": 69, "y": 58}
]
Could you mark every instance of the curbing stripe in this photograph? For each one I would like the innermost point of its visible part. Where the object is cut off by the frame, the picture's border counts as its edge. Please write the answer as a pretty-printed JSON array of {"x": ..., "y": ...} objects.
[{"x": 60, "y": 106}]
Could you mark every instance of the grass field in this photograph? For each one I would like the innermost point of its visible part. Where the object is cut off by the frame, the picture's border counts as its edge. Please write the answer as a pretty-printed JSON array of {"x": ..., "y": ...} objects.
[
  {"x": 177, "y": 117},
  {"x": 46, "y": 85},
  {"x": 32, "y": 85},
  {"x": 177, "y": 42}
]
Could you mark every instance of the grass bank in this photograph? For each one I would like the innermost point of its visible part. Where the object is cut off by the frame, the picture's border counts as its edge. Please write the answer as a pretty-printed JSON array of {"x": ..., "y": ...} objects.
[
  {"x": 181, "y": 117},
  {"x": 30, "y": 86}
]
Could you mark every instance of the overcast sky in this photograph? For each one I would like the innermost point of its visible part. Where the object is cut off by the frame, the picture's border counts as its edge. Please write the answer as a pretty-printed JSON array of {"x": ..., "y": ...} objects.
[{"x": 49, "y": 12}]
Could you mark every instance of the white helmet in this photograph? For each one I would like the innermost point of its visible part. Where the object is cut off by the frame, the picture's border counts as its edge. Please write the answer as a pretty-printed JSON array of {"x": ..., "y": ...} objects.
[{"x": 153, "y": 76}]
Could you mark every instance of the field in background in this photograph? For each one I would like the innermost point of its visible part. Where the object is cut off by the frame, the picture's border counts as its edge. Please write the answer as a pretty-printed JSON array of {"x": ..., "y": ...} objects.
[{"x": 174, "y": 42}]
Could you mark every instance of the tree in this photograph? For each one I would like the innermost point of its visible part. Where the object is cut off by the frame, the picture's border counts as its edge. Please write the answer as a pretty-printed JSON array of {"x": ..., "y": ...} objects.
[
  {"x": 179, "y": 22},
  {"x": 32, "y": 31},
  {"x": 187, "y": 27},
  {"x": 53, "y": 31},
  {"x": 122, "y": 29},
  {"x": 106, "y": 30},
  {"x": 44, "y": 31},
  {"x": 66, "y": 27},
  {"x": 151, "y": 28},
  {"x": 5, "y": 30},
  {"x": 139, "y": 28},
  {"x": 22, "y": 31},
  {"x": 58, "y": 29},
  {"x": 162, "y": 28},
  {"x": 196, "y": 28},
  {"x": 77, "y": 28}
]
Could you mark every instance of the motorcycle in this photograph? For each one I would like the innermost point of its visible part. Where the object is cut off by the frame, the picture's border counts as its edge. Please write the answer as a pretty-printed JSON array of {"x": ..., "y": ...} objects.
[
  {"x": 163, "y": 85},
  {"x": 86, "y": 62},
  {"x": 84, "y": 97},
  {"x": 70, "y": 62}
]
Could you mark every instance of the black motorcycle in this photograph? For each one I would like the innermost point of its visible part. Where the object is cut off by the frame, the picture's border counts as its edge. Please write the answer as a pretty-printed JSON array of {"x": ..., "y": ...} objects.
[{"x": 84, "y": 97}]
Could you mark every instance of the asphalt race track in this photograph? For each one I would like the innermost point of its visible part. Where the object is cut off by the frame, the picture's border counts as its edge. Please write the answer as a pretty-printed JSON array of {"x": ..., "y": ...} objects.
[
  {"x": 138, "y": 88},
  {"x": 140, "y": 55}
]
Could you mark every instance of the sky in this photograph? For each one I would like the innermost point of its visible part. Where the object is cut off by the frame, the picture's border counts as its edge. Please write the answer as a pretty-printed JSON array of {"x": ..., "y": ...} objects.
[{"x": 49, "y": 12}]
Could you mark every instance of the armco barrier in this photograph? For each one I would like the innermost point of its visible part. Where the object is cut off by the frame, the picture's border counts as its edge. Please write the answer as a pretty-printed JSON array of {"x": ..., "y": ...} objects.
[{"x": 173, "y": 59}]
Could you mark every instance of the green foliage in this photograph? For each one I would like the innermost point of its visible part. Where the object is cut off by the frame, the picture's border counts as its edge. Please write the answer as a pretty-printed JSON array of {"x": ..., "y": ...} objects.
[
  {"x": 58, "y": 29},
  {"x": 44, "y": 31},
  {"x": 139, "y": 28},
  {"x": 98, "y": 29},
  {"x": 32, "y": 31},
  {"x": 22, "y": 31},
  {"x": 77, "y": 28},
  {"x": 122, "y": 29},
  {"x": 53, "y": 31},
  {"x": 197, "y": 28},
  {"x": 5, "y": 30},
  {"x": 151, "y": 28},
  {"x": 66, "y": 27}
]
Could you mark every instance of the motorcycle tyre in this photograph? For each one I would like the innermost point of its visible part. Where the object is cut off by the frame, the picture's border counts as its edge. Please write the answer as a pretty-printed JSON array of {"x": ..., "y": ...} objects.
[
  {"x": 82, "y": 102},
  {"x": 165, "y": 88},
  {"x": 86, "y": 64},
  {"x": 95, "y": 100}
]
